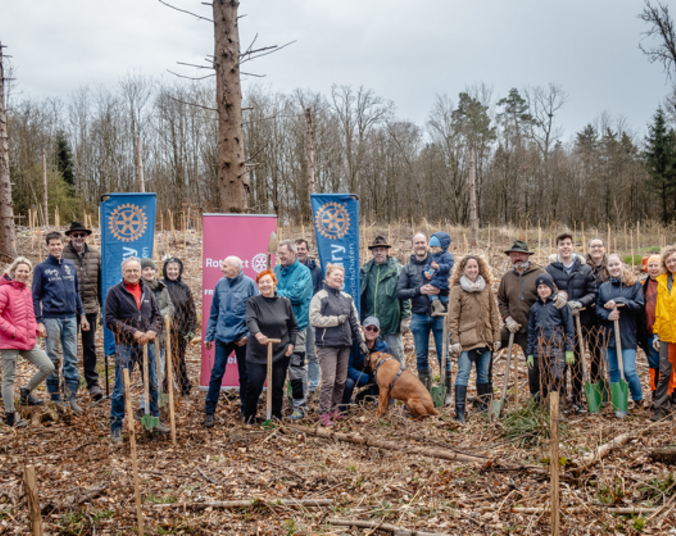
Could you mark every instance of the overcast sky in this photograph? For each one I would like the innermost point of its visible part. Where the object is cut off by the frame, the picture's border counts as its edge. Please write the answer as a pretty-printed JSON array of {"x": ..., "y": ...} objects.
[{"x": 405, "y": 51}]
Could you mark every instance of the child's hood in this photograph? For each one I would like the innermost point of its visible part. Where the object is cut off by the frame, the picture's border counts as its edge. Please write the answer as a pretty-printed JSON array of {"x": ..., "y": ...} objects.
[{"x": 444, "y": 240}]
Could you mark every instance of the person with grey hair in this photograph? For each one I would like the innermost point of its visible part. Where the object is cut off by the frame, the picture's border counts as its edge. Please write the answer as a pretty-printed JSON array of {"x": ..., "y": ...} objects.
[
  {"x": 18, "y": 337},
  {"x": 227, "y": 328},
  {"x": 294, "y": 281}
]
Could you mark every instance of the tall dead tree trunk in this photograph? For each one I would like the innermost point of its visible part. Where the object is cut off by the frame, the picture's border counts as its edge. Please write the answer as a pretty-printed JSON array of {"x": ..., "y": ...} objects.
[
  {"x": 232, "y": 174},
  {"x": 473, "y": 218},
  {"x": 310, "y": 155},
  {"x": 139, "y": 166},
  {"x": 45, "y": 197},
  {"x": 7, "y": 231}
]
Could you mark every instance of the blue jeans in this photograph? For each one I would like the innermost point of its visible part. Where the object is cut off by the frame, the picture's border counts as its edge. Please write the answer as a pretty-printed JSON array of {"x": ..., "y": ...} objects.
[
  {"x": 126, "y": 356},
  {"x": 62, "y": 332},
  {"x": 421, "y": 325},
  {"x": 350, "y": 385},
  {"x": 223, "y": 350},
  {"x": 465, "y": 367},
  {"x": 314, "y": 371},
  {"x": 162, "y": 371},
  {"x": 629, "y": 363},
  {"x": 653, "y": 357}
]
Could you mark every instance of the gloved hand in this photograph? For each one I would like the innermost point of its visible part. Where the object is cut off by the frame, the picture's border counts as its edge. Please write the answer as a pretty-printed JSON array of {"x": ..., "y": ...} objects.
[
  {"x": 189, "y": 336},
  {"x": 405, "y": 326},
  {"x": 512, "y": 325},
  {"x": 530, "y": 361},
  {"x": 363, "y": 348},
  {"x": 560, "y": 301},
  {"x": 342, "y": 319},
  {"x": 656, "y": 343},
  {"x": 570, "y": 358},
  {"x": 496, "y": 346},
  {"x": 456, "y": 348},
  {"x": 315, "y": 358},
  {"x": 575, "y": 306}
]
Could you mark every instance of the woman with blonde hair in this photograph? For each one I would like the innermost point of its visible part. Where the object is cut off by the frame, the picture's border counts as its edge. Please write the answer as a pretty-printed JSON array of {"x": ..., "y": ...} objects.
[
  {"x": 622, "y": 289},
  {"x": 18, "y": 337},
  {"x": 474, "y": 328}
]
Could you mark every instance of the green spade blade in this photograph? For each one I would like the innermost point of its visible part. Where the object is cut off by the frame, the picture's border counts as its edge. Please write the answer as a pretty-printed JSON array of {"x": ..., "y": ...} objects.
[
  {"x": 150, "y": 422},
  {"x": 268, "y": 425},
  {"x": 162, "y": 399},
  {"x": 594, "y": 397},
  {"x": 438, "y": 393},
  {"x": 620, "y": 396}
]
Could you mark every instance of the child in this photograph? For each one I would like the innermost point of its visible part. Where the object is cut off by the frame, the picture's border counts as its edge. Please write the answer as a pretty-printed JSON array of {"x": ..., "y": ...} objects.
[
  {"x": 438, "y": 269},
  {"x": 550, "y": 331}
]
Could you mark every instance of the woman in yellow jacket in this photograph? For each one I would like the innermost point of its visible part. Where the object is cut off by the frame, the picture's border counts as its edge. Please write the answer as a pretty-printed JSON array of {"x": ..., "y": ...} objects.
[{"x": 665, "y": 330}]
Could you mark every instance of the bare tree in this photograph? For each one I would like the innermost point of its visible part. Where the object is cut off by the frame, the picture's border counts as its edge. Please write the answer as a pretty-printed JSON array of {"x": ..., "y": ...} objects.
[
  {"x": 662, "y": 27},
  {"x": 7, "y": 231}
]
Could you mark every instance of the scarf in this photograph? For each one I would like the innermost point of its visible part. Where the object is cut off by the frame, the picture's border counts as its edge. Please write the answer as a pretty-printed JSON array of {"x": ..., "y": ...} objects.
[{"x": 468, "y": 286}]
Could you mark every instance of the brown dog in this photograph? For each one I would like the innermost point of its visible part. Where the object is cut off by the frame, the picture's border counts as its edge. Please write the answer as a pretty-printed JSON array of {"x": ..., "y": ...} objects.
[{"x": 407, "y": 387}]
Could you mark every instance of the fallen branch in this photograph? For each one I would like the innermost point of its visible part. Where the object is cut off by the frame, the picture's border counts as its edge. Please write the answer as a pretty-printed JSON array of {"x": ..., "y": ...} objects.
[
  {"x": 248, "y": 503},
  {"x": 580, "y": 510},
  {"x": 387, "y": 445},
  {"x": 398, "y": 531}
]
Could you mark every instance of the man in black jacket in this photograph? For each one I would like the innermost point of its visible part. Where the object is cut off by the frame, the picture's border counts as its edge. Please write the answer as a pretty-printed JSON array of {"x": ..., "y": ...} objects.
[
  {"x": 133, "y": 316},
  {"x": 577, "y": 290},
  {"x": 413, "y": 285}
]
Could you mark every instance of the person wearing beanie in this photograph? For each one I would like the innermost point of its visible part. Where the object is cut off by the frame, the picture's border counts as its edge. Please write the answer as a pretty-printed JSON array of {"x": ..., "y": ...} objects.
[
  {"x": 438, "y": 269},
  {"x": 551, "y": 337}
]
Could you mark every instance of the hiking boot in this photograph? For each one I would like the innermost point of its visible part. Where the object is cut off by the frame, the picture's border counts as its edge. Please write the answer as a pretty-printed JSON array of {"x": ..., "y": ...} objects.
[
  {"x": 209, "y": 421},
  {"x": 658, "y": 414},
  {"x": 116, "y": 437},
  {"x": 297, "y": 414},
  {"x": 639, "y": 407},
  {"x": 71, "y": 390},
  {"x": 325, "y": 420},
  {"x": 95, "y": 393},
  {"x": 14, "y": 420},
  {"x": 27, "y": 399},
  {"x": 460, "y": 397},
  {"x": 438, "y": 308},
  {"x": 337, "y": 416},
  {"x": 425, "y": 378},
  {"x": 163, "y": 428}
]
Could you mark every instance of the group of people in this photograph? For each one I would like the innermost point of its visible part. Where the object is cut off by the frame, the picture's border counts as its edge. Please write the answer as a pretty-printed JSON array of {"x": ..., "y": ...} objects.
[{"x": 319, "y": 340}]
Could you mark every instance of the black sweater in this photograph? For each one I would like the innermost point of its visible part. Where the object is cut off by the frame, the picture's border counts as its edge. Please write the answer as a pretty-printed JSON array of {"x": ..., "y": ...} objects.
[{"x": 273, "y": 317}]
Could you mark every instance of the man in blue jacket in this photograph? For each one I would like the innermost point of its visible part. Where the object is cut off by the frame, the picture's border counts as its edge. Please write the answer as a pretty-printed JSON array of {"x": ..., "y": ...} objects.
[
  {"x": 294, "y": 281},
  {"x": 358, "y": 374},
  {"x": 313, "y": 369},
  {"x": 227, "y": 327},
  {"x": 57, "y": 304}
]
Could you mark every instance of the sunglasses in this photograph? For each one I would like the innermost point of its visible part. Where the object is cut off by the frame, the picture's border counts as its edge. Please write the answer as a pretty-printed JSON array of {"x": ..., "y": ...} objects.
[
  {"x": 371, "y": 328},
  {"x": 78, "y": 235}
]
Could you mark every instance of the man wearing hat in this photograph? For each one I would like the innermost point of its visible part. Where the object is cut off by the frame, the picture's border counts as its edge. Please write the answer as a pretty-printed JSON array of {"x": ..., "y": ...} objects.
[
  {"x": 378, "y": 296},
  {"x": 359, "y": 374},
  {"x": 87, "y": 261},
  {"x": 516, "y": 296}
]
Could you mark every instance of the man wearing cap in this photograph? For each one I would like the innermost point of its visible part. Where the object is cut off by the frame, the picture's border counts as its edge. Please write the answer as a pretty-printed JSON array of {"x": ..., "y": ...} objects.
[
  {"x": 87, "y": 261},
  {"x": 378, "y": 296},
  {"x": 516, "y": 295}
]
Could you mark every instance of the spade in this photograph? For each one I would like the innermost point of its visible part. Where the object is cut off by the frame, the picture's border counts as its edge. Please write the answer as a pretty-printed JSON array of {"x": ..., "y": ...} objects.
[
  {"x": 438, "y": 392},
  {"x": 619, "y": 391},
  {"x": 593, "y": 395},
  {"x": 147, "y": 420},
  {"x": 268, "y": 399},
  {"x": 496, "y": 406}
]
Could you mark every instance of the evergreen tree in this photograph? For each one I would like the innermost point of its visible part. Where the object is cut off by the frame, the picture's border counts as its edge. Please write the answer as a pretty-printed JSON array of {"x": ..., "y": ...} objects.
[
  {"x": 660, "y": 161},
  {"x": 64, "y": 158}
]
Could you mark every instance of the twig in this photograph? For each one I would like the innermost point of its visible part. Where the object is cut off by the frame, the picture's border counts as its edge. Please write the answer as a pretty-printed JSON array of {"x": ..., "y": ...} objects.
[
  {"x": 401, "y": 531},
  {"x": 207, "y": 477},
  {"x": 185, "y": 11},
  {"x": 247, "y": 503},
  {"x": 269, "y": 462}
]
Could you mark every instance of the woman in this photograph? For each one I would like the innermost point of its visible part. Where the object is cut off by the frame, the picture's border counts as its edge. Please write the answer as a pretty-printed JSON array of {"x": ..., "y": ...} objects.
[
  {"x": 474, "y": 328},
  {"x": 336, "y": 322},
  {"x": 18, "y": 332},
  {"x": 664, "y": 329},
  {"x": 184, "y": 322},
  {"x": 621, "y": 289},
  {"x": 268, "y": 316},
  {"x": 654, "y": 268}
]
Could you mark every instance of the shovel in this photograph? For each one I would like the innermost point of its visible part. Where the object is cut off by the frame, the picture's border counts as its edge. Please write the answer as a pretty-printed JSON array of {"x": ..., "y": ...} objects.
[
  {"x": 594, "y": 396},
  {"x": 147, "y": 420},
  {"x": 273, "y": 244},
  {"x": 162, "y": 397},
  {"x": 439, "y": 392},
  {"x": 495, "y": 407},
  {"x": 619, "y": 391},
  {"x": 268, "y": 398}
]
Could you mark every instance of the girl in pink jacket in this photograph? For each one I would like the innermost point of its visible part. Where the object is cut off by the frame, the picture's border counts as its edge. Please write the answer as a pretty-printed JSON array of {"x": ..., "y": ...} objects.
[{"x": 18, "y": 332}]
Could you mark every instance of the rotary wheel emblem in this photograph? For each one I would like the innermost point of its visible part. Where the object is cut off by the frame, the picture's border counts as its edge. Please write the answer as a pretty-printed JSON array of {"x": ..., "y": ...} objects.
[
  {"x": 259, "y": 262},
  {"x": 332, "y": 221},
  {"x": 128, "y": 222}
]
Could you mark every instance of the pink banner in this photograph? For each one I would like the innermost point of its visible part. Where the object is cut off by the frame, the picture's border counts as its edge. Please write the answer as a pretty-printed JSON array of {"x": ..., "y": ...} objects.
[{"x": 246, "y": 237}]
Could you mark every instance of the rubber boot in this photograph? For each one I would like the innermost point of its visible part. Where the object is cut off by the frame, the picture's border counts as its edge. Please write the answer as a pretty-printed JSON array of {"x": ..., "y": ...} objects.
[
  {"x": 460, "y": 397},
  {"x": 425, "y": 377},
  {"x": 71, "y": 391},
  {"x": 484, "y": 396},
  {"x": 53, "y": 389},
  {"x": 449, "y": 386},
  {"x": 438, "y": 308}
]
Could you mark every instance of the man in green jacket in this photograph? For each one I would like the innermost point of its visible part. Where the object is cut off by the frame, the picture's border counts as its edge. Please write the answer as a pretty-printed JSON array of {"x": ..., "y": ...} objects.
[{"x": 378, "y": 296}]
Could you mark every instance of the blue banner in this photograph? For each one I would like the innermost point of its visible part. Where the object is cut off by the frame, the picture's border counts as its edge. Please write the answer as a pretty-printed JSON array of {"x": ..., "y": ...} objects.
[
  {"x": 127, "y": 230},
  {"x": 336, "y": 221}
]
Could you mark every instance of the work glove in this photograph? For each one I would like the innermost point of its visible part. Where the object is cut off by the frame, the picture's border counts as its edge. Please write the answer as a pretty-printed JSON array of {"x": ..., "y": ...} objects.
[
  {"x": 656, "y": 343},
  {"x": 530, "y": 361},
  {"x": 364, "y": 349},
  {"x": 570, "y": 358},
  {"x": 315, "y": 358},
  {"x": 405, "y": 326},
  {"x": 575, "y": 306},
  {"x": 512, "y": 325},
  {"x": 560, "y": 301},
  {"x": 496, "y": 346},
  {"x": 342, "y": 319},
  {"x": 456, "y": 348}
]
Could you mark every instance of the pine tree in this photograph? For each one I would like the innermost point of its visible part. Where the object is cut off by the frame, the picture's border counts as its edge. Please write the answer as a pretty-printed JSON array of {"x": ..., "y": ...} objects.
[
  {"x": 64, "y": 158},
  {"x": 660, "y": 161}
]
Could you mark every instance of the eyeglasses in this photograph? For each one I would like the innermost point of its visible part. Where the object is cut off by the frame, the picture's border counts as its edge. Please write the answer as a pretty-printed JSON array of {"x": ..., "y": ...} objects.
[
  {"x": 371, "y": 328},
  {"x": 78, "y": 235}
]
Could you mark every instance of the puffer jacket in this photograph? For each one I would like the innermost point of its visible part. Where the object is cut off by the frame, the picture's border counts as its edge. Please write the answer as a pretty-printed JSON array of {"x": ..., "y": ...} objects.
[
  {"x": 18, "y": 327},
  {"x": 580, "y": 285},
  {"x": 665, "y": 310},
  {"x": 378, "y": 294},
  {"x": 295, "y": 283},
  {"x": 185, "y": 314},
  {"x": 631, "y": 314},
  {"x": 227, "y": 316},
  {"x": 163, "y": 300},
  {"x": 554, "y": 326},
  {"x": 89, "y": 275},
  {"x": 360, "y": 374},
  {"x": 443, "y": 259},
  {"x": 473, "y": 318},
  {"x": 517, "y": 294},
  {"x": 325, "y": 308}
]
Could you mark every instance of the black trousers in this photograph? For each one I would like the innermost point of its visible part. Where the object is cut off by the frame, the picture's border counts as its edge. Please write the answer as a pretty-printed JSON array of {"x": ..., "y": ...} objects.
[
  {"x": 88, "y": 339},
  {"x": 178, "y": 346},
  {"x": 661, "y": 399},
  {"x": 595, "y": 344},
  {"x": 256, "y": 375}
]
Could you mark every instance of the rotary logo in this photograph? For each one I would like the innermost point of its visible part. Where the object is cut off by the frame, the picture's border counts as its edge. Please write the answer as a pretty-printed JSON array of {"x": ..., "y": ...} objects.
[
  {"x": 259, "y": 262},
  {"x": 332, "y": 221},
  {"x": 128, "y": 222}
]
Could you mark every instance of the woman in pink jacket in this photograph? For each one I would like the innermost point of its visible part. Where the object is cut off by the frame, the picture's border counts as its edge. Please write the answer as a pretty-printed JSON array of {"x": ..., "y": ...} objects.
[{"x": 18, "y": 332}]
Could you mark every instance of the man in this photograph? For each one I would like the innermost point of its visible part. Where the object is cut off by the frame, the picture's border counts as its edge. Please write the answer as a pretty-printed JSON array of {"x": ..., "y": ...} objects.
[
  {"x": 294, "y": 281},
  {"x": 57, "y": 305},
  {"x": 133, "y": 316},
  {"x": 87, "y": 260},
  {"x": 314, "y": 371},
  {"x": 413, "y": 285},
  {"x": 358, "y": 373},
  {"x": 598, "y": 262},
  {"x": 516, "y": 296},
  {"x": 378, "y": 296},
  {"x": 227, "y": 327},
  {"x": 577, "y": 288}
]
